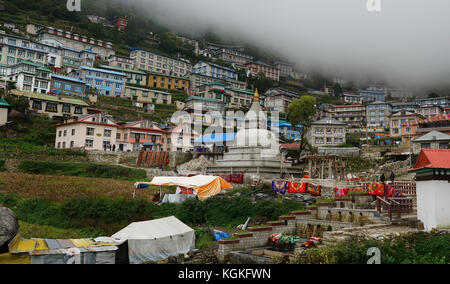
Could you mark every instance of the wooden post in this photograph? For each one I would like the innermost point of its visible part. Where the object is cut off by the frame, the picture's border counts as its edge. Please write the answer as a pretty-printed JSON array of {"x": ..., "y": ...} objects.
[
  {"x": 330, "y": 169},
  {"x": 322, "y": 173}
]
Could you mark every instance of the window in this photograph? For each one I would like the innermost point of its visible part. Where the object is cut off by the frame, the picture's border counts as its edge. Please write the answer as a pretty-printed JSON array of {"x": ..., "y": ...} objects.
[
  {"x": 64, "y": 145},
  {"x": 59, "y": 133},
  {"x": 78, "y": 110},
  {"x": 89, "y": 143},
  {"x": 90, "y": 131},
  {"x": 118, "y": 136},
  {"x": 59, "y": 145},
  {"x": 71, "y": 144},
  {"x": 65, "y": 133},
  {"x": 426, "y": 146},
  {"x": 73, "y": 132},
  {"x": 66, "y": 108},
  {"x": 68, "y": 87},
  {"x": 51, "y": 107},
  {"x": 443, "y": 145},
  {"x": 107, "y": 133}
]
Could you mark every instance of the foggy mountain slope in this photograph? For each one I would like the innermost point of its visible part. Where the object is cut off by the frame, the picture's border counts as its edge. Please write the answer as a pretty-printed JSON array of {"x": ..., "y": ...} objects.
[{"x": 405, "y": 44}]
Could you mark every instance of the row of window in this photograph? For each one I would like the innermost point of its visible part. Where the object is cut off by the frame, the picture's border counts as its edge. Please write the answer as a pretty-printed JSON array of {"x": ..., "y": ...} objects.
[
  {"x": 99, "y": 83},
  {"x": 53, "y": 107},
  {"x": 26, "y": 54},
  {"x": 68, "y": 87},
  {"x": 158, "y": 58},
  {"x": 102, "y": 75},
  {"x": 329, "y": 131},
  {"x": 328, "y": 141}
]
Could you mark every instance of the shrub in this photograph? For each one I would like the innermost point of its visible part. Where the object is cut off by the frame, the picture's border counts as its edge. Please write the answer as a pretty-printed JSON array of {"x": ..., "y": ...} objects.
[
  {"x": 413, "y": 248},
  {"x": 82, "y": 169}
]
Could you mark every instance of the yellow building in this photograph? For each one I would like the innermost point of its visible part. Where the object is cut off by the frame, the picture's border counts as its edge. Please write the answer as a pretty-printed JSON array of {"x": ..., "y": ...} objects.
[{"x": 169, "y": 82}]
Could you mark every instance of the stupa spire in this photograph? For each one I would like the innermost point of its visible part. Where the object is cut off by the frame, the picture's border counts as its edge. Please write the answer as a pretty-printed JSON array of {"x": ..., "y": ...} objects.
[{"x": 256, "y": 96}]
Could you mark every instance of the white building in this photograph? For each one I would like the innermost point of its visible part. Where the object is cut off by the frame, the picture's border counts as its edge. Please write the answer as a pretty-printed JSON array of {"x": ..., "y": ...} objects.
[
  {"x": 215, "y": 70},
  {"x": 433, "y": 188},
  {"x": 146, "y": 60},
  {"x": 30, "y": 76},
  {"x": 4, "y": 106},
  {"x": 77, "y": 42}
]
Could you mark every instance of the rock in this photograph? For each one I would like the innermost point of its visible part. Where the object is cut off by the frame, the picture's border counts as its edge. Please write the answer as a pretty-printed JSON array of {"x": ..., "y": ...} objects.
[
  {"x": 196, "y": 165},
  {"x": 9, "y": 226}
]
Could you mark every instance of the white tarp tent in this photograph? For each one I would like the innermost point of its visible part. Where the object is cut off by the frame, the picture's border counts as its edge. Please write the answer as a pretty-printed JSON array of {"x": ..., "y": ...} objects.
[
  {"x": 204, "y": 186},
  {"x": 156, "y": 239}
]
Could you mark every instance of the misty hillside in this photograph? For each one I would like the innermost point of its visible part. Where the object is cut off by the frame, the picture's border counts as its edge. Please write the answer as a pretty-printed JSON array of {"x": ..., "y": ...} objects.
[{"x": 54, "y": 13}]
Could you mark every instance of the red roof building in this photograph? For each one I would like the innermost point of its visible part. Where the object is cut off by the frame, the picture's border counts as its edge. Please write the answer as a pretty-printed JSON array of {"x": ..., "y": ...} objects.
[{"x": 433, "y": 164}]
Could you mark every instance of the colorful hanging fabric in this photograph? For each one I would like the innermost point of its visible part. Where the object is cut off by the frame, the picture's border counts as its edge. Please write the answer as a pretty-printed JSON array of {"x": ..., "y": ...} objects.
[
  {"x": 185, "y": 190},
  {"x": 233, "y": 178},
  {"x": 237, "y": 178},
  {"x": 314, "y": 190},
  {"x": 376, "y": 188},
  {"x": 392, "y": 192},
  {"x": 297, "y": 187},
  {"x": 341, "y": 192},
  {"x": 280, "y": 186}
]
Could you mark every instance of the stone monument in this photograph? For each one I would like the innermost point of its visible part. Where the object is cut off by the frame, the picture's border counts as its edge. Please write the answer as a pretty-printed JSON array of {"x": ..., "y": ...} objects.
[{"x": 255, "y": 150}]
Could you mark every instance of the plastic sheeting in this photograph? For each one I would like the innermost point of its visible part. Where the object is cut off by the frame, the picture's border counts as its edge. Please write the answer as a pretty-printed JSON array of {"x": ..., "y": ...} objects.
[
  {"x": 156, "y": 239},
  {"x": 177, "y": 198},
  {"x": 204, "y": 186}
]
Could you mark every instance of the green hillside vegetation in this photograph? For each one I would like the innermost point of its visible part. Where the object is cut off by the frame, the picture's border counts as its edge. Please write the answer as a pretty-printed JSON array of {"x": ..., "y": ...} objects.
[
  {"x": 105, "y": 216},
  {"x": 82, "y": 170}
]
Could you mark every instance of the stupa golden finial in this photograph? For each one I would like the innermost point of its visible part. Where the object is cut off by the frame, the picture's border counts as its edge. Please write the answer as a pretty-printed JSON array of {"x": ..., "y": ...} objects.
[{"x": 256, "y": 97}]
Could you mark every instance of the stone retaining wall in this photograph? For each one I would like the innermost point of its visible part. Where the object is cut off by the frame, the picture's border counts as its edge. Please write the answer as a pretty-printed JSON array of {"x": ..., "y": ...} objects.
[
  {"x": 318, "y": 221},
  {"x": 255, "y": 237}
]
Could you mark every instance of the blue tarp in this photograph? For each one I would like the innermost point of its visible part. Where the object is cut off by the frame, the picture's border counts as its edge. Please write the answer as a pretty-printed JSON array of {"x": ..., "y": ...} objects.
[
  {"x": 220, "y": 236},
  {"x": 214, "y": 138}
]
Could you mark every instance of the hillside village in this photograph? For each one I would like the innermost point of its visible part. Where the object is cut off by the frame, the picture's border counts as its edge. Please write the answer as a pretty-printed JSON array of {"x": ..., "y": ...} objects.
[{"x": 95, "y": 135}]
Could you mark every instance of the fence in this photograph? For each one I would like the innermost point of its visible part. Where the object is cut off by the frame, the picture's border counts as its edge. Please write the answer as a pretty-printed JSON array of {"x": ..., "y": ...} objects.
[
  {"x": 152, "y": 159},
  {"x": 405, "y": 188}
]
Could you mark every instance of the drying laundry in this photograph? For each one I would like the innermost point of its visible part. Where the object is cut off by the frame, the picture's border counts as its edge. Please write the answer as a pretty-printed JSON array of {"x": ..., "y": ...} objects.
[
  {"x": 376, "y": 188},
  {"x": 297, "y": 187},
  {"x": 314, "y": 190},
  {"x": 280, "y": 186}
]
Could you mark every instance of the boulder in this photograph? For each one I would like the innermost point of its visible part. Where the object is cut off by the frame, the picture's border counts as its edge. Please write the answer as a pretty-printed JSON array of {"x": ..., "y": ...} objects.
[{"x": 9, "y": 226}]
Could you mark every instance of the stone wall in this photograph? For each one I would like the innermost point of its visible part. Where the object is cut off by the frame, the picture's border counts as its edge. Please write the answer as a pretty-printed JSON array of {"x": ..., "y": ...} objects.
[
  {"x": 114, "y": 158},
  {"x": 255, "y": 237},
  {"x": 316, "y": 222}
]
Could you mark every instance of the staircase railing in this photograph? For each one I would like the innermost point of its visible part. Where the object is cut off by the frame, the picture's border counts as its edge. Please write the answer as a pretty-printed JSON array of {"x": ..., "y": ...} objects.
[
  {"x": 397, "y": 205},
  {"x": 380, "y": 202},
  {"x": 405, "y": 188}
]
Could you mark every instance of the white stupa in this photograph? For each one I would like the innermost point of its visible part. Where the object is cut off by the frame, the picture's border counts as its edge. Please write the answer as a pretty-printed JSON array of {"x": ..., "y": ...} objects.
[{"x": 255, "y": 149}]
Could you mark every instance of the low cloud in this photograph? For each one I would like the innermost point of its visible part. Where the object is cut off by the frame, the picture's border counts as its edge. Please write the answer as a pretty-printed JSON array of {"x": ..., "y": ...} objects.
[{"x": 407, "y": 43}]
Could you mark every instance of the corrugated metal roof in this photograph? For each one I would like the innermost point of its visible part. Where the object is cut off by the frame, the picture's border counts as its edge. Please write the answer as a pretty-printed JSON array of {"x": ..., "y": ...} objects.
[
  {"x": 433, "y": 159},
  {"x": 433, "y": 136},
  {"x": 46, "y": 97}
]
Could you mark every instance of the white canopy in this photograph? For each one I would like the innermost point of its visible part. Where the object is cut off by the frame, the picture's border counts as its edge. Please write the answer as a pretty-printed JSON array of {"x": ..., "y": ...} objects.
[
  {"x": 204, "y": 186},
  {"x": 156, "y": 239},
  {"x": 188, "y": 182}
]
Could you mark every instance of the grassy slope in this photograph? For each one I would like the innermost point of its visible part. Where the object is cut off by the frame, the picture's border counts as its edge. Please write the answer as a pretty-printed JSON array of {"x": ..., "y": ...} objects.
[{"x": 61, "y": 188}]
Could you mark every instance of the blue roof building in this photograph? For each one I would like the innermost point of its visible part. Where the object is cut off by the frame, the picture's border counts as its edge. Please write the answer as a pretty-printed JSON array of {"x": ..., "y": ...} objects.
[
  {"x": 107, "y": 82},
  {"x": 372, "y": 96}
]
